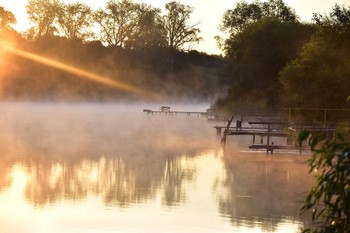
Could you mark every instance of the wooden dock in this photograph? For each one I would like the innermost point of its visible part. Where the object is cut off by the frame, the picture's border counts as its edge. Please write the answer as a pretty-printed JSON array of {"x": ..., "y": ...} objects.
[
  {"x": 175, "y": 113},
  {"x": 269, "y": 129},
  {"x": 165, "y": 111}
]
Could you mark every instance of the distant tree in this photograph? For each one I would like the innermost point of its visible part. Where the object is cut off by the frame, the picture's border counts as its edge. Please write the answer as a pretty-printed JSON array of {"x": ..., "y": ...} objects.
[
  {"x": 149, "y": 31},
  {"x": 179, "y": 31},
  {"x": 245, "y": 13},
  {"x": 339, "y": 17},
  {"x": 42, "y": 14},
  {"x": 117, "y": 22},
  {"x": 7, "y": 18},
  {"x": 323, "y": 64},
  {"x": 75, "y": 21}
]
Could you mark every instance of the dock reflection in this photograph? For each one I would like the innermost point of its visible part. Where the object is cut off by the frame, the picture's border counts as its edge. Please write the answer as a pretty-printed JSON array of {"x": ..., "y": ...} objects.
[{"x": 264, "y": 191}]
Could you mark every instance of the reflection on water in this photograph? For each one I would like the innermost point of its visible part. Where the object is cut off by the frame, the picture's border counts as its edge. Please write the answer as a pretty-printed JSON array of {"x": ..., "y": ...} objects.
[
  {"x": 262, "y": 191},
  {"x": 116, "y": 181},
  {"x": 102, "y": 168}
]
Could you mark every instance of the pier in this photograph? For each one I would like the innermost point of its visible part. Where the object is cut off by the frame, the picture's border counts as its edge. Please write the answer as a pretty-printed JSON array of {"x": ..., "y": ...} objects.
[
  {"x": 270, "y": 129},
  {"x": 165, "y": 111}
]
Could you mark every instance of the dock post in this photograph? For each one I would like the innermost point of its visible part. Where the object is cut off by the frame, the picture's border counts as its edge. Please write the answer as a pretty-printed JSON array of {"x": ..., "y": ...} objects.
[
  {"x": 223, "y": 139},
  {"x": 268, "y": 139},
  {"x": 218, "y": 130}
]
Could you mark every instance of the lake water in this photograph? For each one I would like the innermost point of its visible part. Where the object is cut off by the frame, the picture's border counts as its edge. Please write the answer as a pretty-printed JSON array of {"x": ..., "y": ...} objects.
[{"x": 111, "y": 168}]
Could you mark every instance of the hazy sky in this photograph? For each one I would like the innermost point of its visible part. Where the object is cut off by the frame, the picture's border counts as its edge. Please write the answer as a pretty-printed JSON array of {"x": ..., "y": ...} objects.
[{"x": 207, "y": 12}]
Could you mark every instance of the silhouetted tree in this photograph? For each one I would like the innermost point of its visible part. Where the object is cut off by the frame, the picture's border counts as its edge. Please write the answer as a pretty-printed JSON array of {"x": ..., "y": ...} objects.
[
  {"x": 149, "y": 31},
  {"x": 179, "y": 32},
  {"x": 245, "y": 13},
  {"x": 75, "y": 21},
  {"x": 7, "y": 18},
  {"x": 42, "y": 14},
  {"x": 117, "y": 22}
]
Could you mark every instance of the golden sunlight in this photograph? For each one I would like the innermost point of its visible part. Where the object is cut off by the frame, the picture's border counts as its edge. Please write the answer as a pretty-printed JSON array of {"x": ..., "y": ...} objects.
[{"x": 73, "y": 70}]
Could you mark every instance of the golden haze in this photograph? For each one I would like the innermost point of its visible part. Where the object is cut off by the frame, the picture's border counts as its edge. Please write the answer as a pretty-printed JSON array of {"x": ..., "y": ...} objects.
[{"x": 74, "y": 70}]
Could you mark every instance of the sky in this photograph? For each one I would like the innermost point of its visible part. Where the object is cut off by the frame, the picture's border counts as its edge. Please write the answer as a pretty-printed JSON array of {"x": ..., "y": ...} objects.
[{"x": 208, "y": 13}]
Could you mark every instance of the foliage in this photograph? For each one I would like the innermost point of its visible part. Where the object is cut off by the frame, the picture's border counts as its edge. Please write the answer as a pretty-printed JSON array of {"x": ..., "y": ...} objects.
[
  {"x": 149, "y": 32},
  {"x": 117, "y": 22},
  {"x": 42, "y": 14},
  {"x": 175, "y": 22},
  {"x": 75, "y": 21},
  {"x": 7, "y": 18},
  {"x": 257, "y": 54},
  {"x": 133, "y": 50},
  {"x": 196, "y": 75},
  {"x": 123, "y": 23},
  {"x": 323, "y": 64},
  {"x": 262, "y": 38},
  {"x": 329, "y": 199},
  {"x": 235, "y": 20}
]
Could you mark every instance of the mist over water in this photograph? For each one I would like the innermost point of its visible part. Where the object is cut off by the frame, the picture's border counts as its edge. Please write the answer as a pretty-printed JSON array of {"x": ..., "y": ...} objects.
[
  {"x": 73, "y": 130},
  {"x": 110, "y": 167}
]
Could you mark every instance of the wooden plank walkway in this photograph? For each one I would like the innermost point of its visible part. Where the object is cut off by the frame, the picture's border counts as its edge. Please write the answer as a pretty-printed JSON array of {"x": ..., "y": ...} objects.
[
  {"x": 269, "y": 129},
  {"x": 175, "y": 113}
]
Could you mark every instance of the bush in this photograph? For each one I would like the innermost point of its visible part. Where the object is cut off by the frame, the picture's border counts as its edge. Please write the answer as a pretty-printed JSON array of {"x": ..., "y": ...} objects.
[{"x": 329, "y": 198}]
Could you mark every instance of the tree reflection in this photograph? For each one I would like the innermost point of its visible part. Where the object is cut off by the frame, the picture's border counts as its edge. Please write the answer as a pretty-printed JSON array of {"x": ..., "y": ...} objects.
[
  {"x": 5, "y": 174},
  {"x": 174, "y": 177},
  {"x": 119, "y": 181},
  {"x": 263, "y": 191},
  {"x": 76, "y": 150}
]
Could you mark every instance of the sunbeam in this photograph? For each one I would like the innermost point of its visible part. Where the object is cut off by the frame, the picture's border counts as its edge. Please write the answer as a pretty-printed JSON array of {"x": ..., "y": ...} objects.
[{"x": 74, "y": 70}]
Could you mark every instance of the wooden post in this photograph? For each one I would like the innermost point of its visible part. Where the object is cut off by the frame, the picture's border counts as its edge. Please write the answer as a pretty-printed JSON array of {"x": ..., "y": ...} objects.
[
  {"x": 218, "y": 130},
  {"x": 289, "y": 115},
  {"x": 223, "y": 140},
  {"x": 268, "y": 139}
]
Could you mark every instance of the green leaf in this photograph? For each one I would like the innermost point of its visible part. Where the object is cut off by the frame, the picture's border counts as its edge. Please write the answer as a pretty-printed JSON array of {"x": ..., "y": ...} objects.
[{"x": 303, "y": 135}]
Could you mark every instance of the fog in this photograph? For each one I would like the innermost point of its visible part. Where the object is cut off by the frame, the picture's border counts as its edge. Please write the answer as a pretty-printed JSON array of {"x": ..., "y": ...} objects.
[
  {"x": 124, "y": 157},
  {"x": 131, "y": 154},
  {"x": 91, "y": 130}
]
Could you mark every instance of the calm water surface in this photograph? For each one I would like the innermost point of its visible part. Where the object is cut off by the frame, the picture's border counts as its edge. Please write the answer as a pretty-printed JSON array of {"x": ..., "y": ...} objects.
[{"x": 110, "y": 168}]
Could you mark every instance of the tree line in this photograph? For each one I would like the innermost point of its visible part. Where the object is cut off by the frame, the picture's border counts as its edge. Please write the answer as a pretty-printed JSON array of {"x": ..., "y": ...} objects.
[
  {"x": 134, "y": 43},
  {"x": 271, "y": 59},
  {"x": 121, "y": 23},
  {"x": 275, "y": 61}
]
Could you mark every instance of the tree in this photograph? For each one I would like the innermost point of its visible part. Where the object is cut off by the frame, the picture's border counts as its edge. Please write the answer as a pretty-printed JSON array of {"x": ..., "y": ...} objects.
[
  {"x": 149, "y": 31},
  {"x": 323, "y": 64},
  {"x": 117, "y": 22},
  {"x": 7, "y": 18},
  {"x": 179, "y": 32},
  {"x": 256, "y": 56},
  {"x": 262, "y": 37},
  {"x": 244, "y": 13},
  {"x": 43, "y": 13},
  {"x": 75, "y": 21}
]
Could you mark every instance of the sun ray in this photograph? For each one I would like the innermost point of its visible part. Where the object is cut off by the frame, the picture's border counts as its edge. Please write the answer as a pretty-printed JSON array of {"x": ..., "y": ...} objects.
[{"x": 74, "y": 70}]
